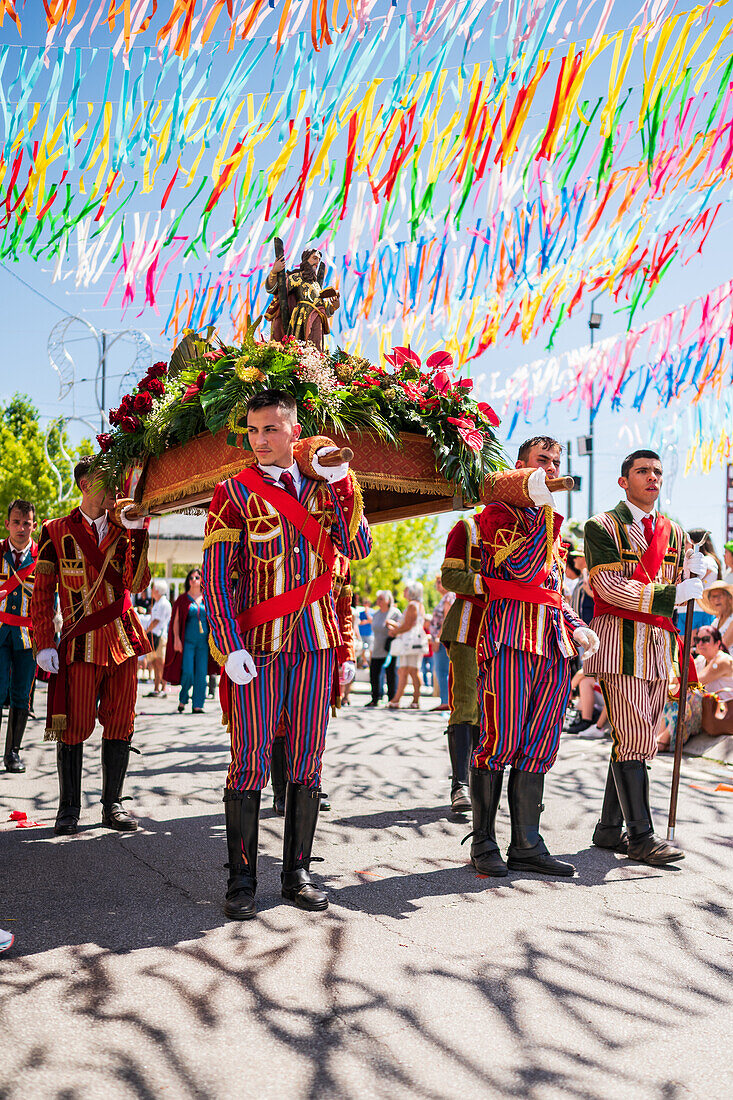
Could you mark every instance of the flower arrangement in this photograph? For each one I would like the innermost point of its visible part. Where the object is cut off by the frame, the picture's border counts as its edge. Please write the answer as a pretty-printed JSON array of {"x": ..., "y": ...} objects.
[{"x": 207, "y": 389}]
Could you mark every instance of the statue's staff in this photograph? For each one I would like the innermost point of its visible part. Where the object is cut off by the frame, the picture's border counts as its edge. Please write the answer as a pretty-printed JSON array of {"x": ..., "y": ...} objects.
[
  {"x": 681, "y": 708},
  {"x": 282, "y": 286}
]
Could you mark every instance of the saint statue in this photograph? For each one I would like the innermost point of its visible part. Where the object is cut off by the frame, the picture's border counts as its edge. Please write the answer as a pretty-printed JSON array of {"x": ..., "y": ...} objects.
[{"x": 301, "y": 306}]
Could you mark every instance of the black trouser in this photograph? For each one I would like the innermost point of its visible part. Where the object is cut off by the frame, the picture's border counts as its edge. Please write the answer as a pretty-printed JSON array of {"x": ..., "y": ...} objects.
[{"x": 375, "y": 675}]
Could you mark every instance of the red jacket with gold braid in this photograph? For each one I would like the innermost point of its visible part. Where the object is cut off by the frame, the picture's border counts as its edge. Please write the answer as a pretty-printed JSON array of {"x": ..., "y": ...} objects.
[
  {"x": 63, "y": 565},
  {"x": 461, "y": 573}
]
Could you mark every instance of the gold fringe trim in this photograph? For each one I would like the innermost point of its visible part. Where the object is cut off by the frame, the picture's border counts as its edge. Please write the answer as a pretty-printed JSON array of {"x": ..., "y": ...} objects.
[
  {"x": 195, "y": 486},
  {"x": 612, "y": 567},
  {"x": 550, "y": 534},
  {"x": 453, "y": 563},
  {"x": 45, "y": 567},
  {"x": 216, "y": 653},
  {"x": 142, "y": 568},
  {"x": 436, "y": 486},
  {"x": 501, "y": 555},
  {"x": 222, "y": 534},
  {"x": 58, "y": 725}
]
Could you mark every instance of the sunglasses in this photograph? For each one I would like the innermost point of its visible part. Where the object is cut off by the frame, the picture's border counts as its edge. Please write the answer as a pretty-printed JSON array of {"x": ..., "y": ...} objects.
[{"x": 704, "y": 638}]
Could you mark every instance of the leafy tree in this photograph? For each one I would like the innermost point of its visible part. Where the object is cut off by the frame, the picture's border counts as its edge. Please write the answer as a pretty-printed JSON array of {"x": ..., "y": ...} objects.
[
  {"x": 401, "y": 551},
  {"x": 25, "y": 471}
]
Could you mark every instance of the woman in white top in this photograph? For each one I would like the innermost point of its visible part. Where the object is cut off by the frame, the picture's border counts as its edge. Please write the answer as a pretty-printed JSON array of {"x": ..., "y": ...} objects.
[
  {"x": 409, "y": 645},
  {"x": 157, "y": 630}
]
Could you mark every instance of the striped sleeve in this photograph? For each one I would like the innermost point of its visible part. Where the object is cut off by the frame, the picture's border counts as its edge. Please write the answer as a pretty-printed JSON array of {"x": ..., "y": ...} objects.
[
  {"x": 222, "y": 536},
  {"x": 605, "y": 571},
  {"x": 350, "y": 530}
]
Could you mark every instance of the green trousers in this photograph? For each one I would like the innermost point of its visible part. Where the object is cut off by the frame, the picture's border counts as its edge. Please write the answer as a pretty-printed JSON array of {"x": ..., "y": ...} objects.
[{"x": 462, "y": 683}]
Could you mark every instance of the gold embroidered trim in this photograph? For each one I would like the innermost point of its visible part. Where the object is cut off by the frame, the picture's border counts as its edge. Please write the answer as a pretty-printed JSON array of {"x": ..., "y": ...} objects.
[
  {"x": 222, "y": 534},
  {"x": 503, "y": 554},
  {"x": 358, "y": 507},
  {"x": 453, "y": 563},
  {"x": 142, "y": 568},
  {"x": 45, "y": 567},
  {"x": 550, "y": 534},
  {"x": 217, "y": 654},
  {"x": 611, "y": 567}
]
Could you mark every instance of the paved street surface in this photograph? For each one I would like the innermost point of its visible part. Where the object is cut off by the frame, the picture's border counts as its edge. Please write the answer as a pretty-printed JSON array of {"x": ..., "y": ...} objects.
[{"x": 421, "y": 980}]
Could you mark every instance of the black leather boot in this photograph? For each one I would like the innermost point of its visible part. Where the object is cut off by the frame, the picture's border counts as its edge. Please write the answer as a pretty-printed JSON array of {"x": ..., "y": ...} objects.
[
  {"x": 632, "y": 784},
  {"x": 68, "y": 762},
  {"x": 278, "y": 775},
  {"x": 242, "y": 813},
  {"x": 609, "y": 833},
  {"x": 485, "y": 794},
  {"x": 14, "y": 736},
  {"x": 528, "y": 851},
  {"x": 301, "y": 815},
  {"x": 115, "y": 757},
  {"x": 460, "y": 747}
]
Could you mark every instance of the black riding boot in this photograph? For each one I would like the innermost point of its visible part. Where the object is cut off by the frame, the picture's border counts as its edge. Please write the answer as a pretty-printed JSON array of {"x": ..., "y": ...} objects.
[
  {"x": 115, "y": 756},
  {"x": 632, "y": 784},
  {"x": 609, "y": 833},
  {"x": 460, "y": 747},
  {"x": 68, "y": 761},
  {"x": 242, "y": 813},
  {"x": 301, "y": 815},
  {"x": 16, "y": 728},
  {"x": 528, "y": 851},
  {"x": 485, "y": 794},
  {"x": 278, "y": 775}
]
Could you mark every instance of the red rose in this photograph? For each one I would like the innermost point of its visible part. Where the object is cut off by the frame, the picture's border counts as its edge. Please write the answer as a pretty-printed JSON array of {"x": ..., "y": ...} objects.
[
  {"x": 127, "y": 404},
  {"x": 143, "y": 403},
  {"x": 129, "y": 424},
  {"x": 105, "y": 442},
  {"x": 114, "y": 416},
  {"x": 158, "y": 370},
  {"x": 155, "y": 386}
]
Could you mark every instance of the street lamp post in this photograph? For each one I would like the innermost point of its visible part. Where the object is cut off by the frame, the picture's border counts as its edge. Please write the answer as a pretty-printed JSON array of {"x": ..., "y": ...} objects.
[{"x": 594, "y": 322}]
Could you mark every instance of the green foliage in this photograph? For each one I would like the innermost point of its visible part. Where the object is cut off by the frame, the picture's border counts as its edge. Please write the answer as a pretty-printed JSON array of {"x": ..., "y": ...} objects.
[
  {"x": 25, "y": 472},
  {"x": 400, "y": 553}
]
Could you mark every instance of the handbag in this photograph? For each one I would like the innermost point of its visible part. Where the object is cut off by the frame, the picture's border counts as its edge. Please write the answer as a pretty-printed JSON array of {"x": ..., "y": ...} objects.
[{"x": 414, "y": 640}]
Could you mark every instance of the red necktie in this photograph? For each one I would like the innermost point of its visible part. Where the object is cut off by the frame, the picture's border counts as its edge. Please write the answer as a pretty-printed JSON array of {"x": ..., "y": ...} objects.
[
  {"x": 18, "y": 556},
  {"x": 288, "y": 483},
  {"x": 648, "y": 524}
]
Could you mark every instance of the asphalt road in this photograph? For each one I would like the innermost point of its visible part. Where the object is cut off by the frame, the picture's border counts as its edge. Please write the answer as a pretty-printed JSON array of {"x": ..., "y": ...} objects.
[{"x": 421, "y": 980}]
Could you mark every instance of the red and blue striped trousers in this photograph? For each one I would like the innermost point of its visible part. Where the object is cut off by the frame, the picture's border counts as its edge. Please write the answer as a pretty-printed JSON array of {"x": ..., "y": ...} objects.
[
  {"x": 294, "y": 685},
  {"x": 522, "y": 700}
]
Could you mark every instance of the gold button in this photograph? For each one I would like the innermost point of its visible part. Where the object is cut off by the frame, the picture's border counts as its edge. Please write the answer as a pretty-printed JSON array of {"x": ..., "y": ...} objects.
[{"x": 297, "y": 576}]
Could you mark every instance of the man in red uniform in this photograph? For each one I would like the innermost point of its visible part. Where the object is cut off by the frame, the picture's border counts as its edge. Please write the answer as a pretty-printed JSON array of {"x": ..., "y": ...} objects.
[
  {"x": 93, "y": 563},
  {"x": 17, "y": 663}
]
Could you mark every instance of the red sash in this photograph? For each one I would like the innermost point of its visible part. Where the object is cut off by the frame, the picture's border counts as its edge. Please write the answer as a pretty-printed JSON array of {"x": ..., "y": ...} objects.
[
  {"x": 10, "y": 585},
  {"x": 646, "y": 570},
  {"x": 500, "y": 589},
  {"x": 277, "y": 607}
]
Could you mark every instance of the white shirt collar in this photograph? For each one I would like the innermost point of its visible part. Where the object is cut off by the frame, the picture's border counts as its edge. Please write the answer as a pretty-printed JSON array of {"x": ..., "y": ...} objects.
[
  {"x": 101, "y": 523},
  {"x": 22, "y": 552},
  {"x": 275, "y": 473},
  {"x": 638, "y": 515}
]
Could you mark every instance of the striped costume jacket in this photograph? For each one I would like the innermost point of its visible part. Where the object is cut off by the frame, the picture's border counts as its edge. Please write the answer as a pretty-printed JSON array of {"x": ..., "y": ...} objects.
[
  {"x": 614, "y": 544},
  {"x": 342, "y": 595},
  {"x": 461, "y": 573},
  {"x": 517, "y": 544},
  {"x": 252, "y": 554},
  {"x": 19, "y": 601},
  {"x": 63, "y": 566}
]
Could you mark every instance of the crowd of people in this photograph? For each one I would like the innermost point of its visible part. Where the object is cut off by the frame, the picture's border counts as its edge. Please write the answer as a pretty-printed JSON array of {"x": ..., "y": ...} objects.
[{"x": 523, "y": 621}]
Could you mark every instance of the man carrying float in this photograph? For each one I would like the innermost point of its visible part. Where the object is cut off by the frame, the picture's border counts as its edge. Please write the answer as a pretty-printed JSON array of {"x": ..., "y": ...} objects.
[
  {"x": 18, "y": 554},
  {"x": 528, "y": 636},
  {"x": 269, "y": 552}
]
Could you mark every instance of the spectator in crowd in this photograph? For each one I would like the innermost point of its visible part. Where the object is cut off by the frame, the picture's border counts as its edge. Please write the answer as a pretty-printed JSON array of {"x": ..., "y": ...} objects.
[
  {"x": 728, "y": 563},
  {"x": 409, "y": 643},
  {"x": 441, "y": 662},
  {"x": 382, "y": 665},
  {"x": 187, "y": 661},
  {"x": 713, "y": 572},
  {"x": 706, "y": 712},
  {"x": 581, "y": 595},
  {"x": 365, "y": 624},
  {"x": 157, "y": 631},
  {"x": 717, "y": 601}
]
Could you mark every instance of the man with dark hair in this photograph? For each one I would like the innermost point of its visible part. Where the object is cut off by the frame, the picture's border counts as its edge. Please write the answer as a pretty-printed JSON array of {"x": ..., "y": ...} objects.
[
  {"x": 639, "y": 572},
  {"x": 17, "y": 663},
  {"x": 269, "y": 557},
  {"x": 94, "y": 563},
  {"x": 528, "y": 636}
]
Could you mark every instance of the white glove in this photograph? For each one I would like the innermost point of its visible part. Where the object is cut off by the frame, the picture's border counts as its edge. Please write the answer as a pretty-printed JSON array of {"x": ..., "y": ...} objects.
[
  {"x": 330, "y": 474},
  {"x": 132, "y": 523},
  {"x": 539, "y": 494},
  {"x": 48, "y": 660},
  {"x": 587, "y": 638},
  {"x": 240, "y": 668},
  {"x": 347, "y": 672},
  {"x": 690, "y": 589},
  {"x": 694, "y": 565}
]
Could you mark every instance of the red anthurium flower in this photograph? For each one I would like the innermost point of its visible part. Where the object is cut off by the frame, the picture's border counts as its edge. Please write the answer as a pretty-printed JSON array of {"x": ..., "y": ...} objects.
[
  {"x": 212, "y": 356},
  {"x": 488, "y": 413},
  {"x": 465, "y": 384},
  {"x": 143, "y": 403},
  {"x": 413, "y": 390},
  {"x": 427, "y": 404},
  {"x": 468, "y": 432},
  {"x": 442, "y": 382},
  {"x": 439, "y": 360},
  {"x": 195, "y": 389},
  {"x": 129, "y": 424},
  {"x": 105, "y": 442}
]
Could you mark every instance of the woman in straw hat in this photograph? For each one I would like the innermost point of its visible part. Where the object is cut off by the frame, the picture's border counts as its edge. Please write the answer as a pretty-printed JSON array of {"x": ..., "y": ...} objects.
[{"x": 717, "y": 600}]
